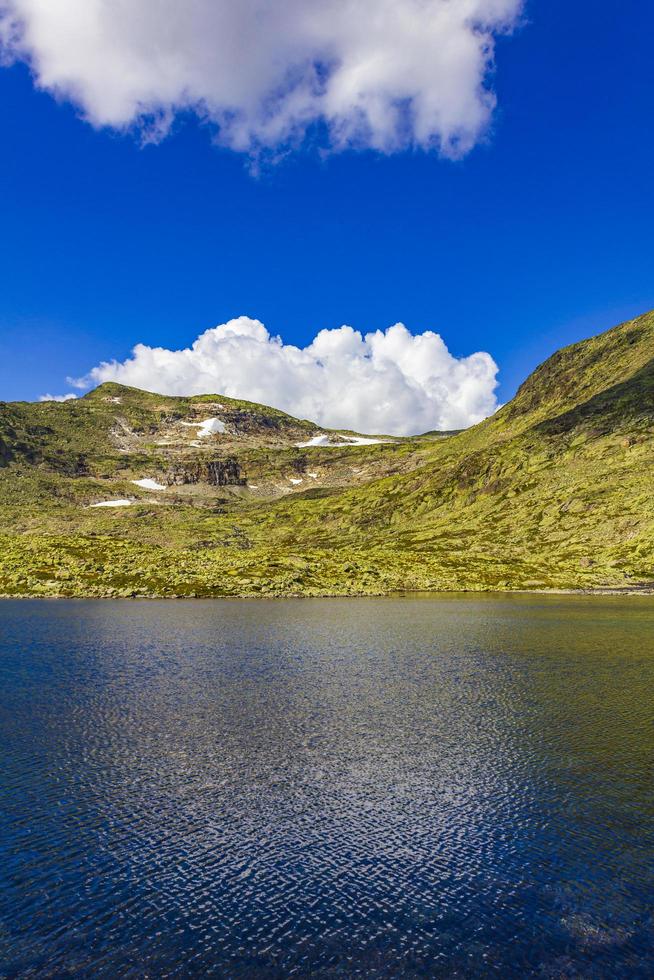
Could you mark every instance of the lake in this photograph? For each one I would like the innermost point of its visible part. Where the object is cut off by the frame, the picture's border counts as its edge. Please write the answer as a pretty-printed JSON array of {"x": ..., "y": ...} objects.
[{"x": 418, "y": 787}]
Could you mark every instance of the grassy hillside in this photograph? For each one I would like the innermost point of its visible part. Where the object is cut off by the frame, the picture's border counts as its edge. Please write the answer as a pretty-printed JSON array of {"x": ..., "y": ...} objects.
[{"x": 556, "y": 490}]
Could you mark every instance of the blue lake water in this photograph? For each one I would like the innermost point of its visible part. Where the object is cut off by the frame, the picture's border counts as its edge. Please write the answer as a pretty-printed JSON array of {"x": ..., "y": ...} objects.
[{"x": 429, "y": 787}]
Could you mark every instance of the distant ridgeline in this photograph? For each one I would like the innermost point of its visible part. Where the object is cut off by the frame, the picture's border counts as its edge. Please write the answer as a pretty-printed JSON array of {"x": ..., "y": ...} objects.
[{"x": 128, "y": 493}]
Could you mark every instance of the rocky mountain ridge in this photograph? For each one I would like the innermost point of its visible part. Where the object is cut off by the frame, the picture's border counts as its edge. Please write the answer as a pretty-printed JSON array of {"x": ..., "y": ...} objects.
[{"x": 124, "y": 492}]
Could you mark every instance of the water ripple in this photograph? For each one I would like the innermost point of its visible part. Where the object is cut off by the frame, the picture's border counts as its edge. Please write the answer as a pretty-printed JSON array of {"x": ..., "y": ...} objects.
[{"x": 445, "y": 788}]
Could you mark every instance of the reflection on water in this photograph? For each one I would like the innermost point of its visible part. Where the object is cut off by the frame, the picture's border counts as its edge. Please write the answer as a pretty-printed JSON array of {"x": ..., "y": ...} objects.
[{"x": 445, "y": 787}]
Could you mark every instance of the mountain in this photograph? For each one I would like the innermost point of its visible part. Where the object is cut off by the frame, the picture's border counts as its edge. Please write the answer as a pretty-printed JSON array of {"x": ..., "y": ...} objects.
[{"x": 124, "y": 492}]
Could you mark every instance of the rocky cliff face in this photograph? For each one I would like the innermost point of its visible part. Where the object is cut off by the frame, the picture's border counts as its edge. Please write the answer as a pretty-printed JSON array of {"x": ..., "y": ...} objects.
[
  {"x": 5, "y": 454},
  {"x": 215, "y": 472}
]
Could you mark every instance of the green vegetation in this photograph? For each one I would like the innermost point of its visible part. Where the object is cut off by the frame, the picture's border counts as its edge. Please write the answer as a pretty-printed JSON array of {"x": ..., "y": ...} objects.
[{"x": 556, "y": 490}]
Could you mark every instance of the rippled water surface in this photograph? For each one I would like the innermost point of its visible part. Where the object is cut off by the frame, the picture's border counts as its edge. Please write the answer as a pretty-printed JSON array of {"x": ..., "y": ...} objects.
[{"x": 442, "y": 787}]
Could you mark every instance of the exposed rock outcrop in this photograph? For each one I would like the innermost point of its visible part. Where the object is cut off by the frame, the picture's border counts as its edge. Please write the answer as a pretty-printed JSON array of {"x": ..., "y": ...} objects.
[
  {"x": 215, "y": 472},
  {"x": 5, "y": 453}
]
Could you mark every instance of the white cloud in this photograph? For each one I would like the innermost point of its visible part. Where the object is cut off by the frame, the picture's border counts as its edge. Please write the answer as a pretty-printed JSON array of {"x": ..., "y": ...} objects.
[
  {"x": 379, "y": 73},
  {"x": 57, "y": 398},
  {"x": 387, "y": 381}
]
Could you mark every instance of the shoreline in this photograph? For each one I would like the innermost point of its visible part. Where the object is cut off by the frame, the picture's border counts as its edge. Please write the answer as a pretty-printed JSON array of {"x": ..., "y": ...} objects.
[{"x": 646, "y": 590}]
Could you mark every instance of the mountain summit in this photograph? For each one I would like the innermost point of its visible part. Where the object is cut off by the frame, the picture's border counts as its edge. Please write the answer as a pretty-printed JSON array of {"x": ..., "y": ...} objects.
[{"x": 129, "y": 493}]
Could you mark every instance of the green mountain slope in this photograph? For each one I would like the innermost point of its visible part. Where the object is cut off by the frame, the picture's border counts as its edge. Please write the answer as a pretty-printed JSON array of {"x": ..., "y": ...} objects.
[{"x": 556, "y": 490}]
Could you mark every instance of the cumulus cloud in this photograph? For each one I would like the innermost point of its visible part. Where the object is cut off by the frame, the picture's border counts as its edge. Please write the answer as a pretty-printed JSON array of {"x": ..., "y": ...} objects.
[
  {"x": 387, "y": 381},
  {"x": 384, "y": 74},
  {"x": 57, "y": 398}
]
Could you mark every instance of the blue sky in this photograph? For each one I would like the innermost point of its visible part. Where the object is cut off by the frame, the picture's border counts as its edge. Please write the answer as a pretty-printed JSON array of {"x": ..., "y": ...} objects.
[{"x": 539, "y": 236}]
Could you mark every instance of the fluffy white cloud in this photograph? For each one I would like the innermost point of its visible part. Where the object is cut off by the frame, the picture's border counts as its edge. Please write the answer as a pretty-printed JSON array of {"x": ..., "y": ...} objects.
[
  {"x": 387, "y": 381},
  {"x": 379, "y": 73},
  {"x": 57, "y": 398}
]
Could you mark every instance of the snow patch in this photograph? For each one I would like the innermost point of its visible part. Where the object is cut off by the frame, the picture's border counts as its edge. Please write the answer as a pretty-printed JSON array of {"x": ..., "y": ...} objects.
[
  {"x": 113, "y": 503},
  {"x": 294, "y": 482},
  {"x": 363, "y": 441},
  {"x": 211, "y": 427},
  {"x": 314, "y": 476},
  {"x": 148, "y": 484},
  {"x": 316, "y": 441},
  {"x": 252, "y": 486},
  {"x": 324, "y": 440}
]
